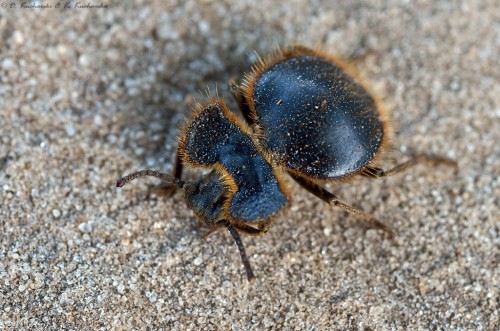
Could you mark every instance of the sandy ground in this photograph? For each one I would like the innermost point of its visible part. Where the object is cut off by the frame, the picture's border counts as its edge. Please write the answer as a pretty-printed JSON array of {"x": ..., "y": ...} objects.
[{"x": 88, "y": 95}]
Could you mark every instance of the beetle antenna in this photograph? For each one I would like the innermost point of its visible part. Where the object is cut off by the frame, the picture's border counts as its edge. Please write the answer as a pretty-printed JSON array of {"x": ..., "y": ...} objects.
[
  {"x": 160, "y": 175},
  {"x": 241, "y": 248}
]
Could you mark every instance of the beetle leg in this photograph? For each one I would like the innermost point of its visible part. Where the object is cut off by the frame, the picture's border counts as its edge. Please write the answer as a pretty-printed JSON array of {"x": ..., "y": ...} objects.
[
  {"x": 376, "y": 172},
  {"x": 238, "y": 95},
  {"x": 246, "y": 229},
  {"x": 212, "y": 230},
  {"x": 332, "y": 200},
  {"x": 250, "y": 230},
  {"x": 241, "y": 248},
  {"x": 168, "y": 190},
  {"x": 178, "y": 166},
  {"x": 234, "y": 233}
]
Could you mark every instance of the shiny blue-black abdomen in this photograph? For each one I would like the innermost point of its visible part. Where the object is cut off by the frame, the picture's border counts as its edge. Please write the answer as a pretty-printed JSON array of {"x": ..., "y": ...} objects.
[{"x": 315, "y": 119}]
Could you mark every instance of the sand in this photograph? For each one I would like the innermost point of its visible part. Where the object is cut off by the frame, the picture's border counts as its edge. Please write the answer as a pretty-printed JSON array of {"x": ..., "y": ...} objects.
[{"x": 90, "y": 94}]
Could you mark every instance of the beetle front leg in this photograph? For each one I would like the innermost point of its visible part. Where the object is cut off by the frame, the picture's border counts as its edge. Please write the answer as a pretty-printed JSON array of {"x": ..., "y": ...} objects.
[
  {"x": 241, "y": 248},
  {"x": 168, "y": 190},
  {"x": 216, "y": 227},
  {"x": 250, "y": 230},
  {"x": 332, "y": 200}
]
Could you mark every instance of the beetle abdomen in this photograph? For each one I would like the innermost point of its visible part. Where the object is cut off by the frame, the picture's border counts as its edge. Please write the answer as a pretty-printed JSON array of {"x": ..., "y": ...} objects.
[{"x": 315, "y": 118}]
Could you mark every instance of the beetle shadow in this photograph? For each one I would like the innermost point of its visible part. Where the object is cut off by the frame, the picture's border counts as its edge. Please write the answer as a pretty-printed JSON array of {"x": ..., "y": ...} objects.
[{"x": 184, "y": 68}]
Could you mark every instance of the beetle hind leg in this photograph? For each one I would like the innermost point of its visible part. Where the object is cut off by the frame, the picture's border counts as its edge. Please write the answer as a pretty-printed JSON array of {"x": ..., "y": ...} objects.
[
  {"x": 375, "y": 172},
  {"x": 332, "y": 200}
]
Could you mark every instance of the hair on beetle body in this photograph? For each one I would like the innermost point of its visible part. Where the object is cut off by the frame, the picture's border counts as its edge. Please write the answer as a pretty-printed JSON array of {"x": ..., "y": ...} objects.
[
  {"x": 304, "y": 113},
  {"x": 278, "y": 93}
]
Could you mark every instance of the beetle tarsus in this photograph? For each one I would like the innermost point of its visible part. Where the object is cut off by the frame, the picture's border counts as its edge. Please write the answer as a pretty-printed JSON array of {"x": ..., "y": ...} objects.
[
  {"x": 332, "y": 200},
  {"x": 364, "y": 215}
]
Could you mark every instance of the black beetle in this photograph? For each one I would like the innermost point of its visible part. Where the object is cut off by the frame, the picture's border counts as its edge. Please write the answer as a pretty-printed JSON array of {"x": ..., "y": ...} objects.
[{"x": 305, "y": 114}]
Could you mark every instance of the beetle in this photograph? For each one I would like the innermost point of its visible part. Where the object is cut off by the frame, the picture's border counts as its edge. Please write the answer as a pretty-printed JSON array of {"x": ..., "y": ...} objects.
[{"x": 305, "y": 114}]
